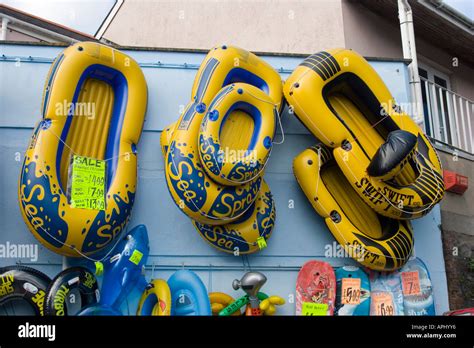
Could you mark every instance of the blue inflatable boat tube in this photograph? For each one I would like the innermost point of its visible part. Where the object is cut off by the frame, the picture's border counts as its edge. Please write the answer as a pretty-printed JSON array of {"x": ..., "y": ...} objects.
[{"x": 188, "y": 294}]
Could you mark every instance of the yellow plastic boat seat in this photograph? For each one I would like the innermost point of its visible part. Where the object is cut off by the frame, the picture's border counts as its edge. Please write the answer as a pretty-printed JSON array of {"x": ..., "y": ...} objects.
[
  {"x": 230, "y": 166},
  {"x": 94, "y": 104},
  {"x": 193, "y": 190},
  {"x": 340, "y": 98},
  {"x": 375, "y": 241}
]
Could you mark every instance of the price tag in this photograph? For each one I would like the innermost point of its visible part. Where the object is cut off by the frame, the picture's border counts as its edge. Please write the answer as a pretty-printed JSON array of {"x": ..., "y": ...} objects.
[
  {"x": 350, "y": 291},
  {"x": 261, "y": 242},
  {"x": 383, "y": 303},
  {"x": 88, "y": 183},
  {"x": 136, "y": 257},
  {"x": 411, "y": 283},
  {"x": 99, "y": 268},
  {"x": 311, "y": 308}
]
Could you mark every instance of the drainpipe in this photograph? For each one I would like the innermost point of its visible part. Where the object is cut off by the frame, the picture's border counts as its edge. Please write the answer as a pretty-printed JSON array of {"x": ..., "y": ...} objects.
[
  {"x": 3, "y": 35},
  {"x": 405, "y": 15}
]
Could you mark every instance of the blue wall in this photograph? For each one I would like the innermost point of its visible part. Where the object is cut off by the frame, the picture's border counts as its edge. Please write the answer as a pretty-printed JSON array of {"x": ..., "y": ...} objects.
[{"x": 300, "y": 234}]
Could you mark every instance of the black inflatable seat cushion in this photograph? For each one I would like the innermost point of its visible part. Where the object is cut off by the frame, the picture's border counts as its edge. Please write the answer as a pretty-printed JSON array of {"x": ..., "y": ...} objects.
[{"x": 391, "y": 156}]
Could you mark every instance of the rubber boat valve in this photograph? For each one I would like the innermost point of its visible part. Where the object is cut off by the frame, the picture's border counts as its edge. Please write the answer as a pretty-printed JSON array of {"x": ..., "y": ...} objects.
[
  {"x": 251, "y": 283},
  {"x": 346, "y": 145},
  {"x": 335, "y": 216}
]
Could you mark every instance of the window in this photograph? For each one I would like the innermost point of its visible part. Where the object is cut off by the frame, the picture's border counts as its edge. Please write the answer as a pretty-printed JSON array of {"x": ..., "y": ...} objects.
[{"x": 447, "y": 115}]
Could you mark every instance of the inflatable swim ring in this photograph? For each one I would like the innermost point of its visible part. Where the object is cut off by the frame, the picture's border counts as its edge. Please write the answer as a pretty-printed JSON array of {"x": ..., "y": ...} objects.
[
  {"x": 84, "y": 76},
  {"x": 377, "y": 242},
  {"x": 188, "y": 294},
  {"x": 71, "y": 282},
  {"x": 156, "y": 299},
  {"x": 217, "y": 83},
  {"x": 219, "y": 301},
  {"x": 342, "y": 101},
  {"x": 21, "y": 282}
]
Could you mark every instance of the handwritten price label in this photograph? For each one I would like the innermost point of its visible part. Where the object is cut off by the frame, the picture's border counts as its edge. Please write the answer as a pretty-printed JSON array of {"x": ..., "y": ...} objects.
[
  {"x": 383, "y": 303},
  {"x": 350, "y": 291},
  {"x": 411, "y": 283},
  {"x": 88, "y": 183},
  {"x": 136, "y": 257},
  {"x": 311, "y": 308}
]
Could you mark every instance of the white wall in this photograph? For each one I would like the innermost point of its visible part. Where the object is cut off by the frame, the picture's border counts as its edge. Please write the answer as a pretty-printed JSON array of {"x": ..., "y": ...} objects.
[{"x": 288, "y": 26}]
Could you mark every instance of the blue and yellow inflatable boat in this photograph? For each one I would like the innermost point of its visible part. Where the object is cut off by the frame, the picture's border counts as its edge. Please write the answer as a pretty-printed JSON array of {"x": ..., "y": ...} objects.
[
  {"x": 109, "y": 84},
  {"x": 215, "y": 154}
]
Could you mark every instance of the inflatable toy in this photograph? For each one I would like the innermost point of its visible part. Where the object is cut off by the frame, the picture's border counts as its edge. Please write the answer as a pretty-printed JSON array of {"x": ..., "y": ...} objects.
[
  {"x": 269, "y": 305},
  {"x": 215, "y": 154},
  {"x": 94, "y": 105},
  {"x": 255, "y": 303},
  {"x": 417, "y": 288},
  {"x": 25, "y": 283},
  {"x": 373, "y": 240},
  {"x": 219, "y": 301},
  {"x": 123, "y": 271},
  {"x": 352, "y": 292},
  {"x": 315, "y": 289},
  {"x": 188, "y": 294},
  {"x": 219, "y": 82},
  {"x": 66, "y": 286},
  {"x": 156, "y": 299},
  {"x": 95, "y": 311},
  {"x": 383, "y": 154}
]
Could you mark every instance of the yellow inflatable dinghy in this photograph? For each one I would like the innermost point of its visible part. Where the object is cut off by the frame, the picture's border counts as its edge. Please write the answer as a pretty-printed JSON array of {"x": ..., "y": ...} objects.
[
  {"x": 384, "y": 155},
  {"x": 239, "y": 235},
  {"x": 94, "y": 106},
  {"x": 215, "y": 154},
  {"x": 250, "y": 85},
  {"x": 377, "y": 242}
]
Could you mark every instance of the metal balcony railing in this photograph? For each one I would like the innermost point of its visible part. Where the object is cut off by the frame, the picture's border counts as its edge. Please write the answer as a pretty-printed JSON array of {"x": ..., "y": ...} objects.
[{"x": 448, "y": 116}]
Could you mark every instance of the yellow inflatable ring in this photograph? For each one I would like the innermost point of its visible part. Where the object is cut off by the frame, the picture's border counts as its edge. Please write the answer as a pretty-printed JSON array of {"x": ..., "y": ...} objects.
[
  {"x": 156, "y": 299},
  {"x": 377, "y": 242},
  {"x": 219, "y": 301},
  {"x": 340, "y": 98},
  {"x": 84, "y": 75},
  {"x": 241, "y": 235},
  {"x": 194, "y": 192},
  {"x": 225, "y": 166}
]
